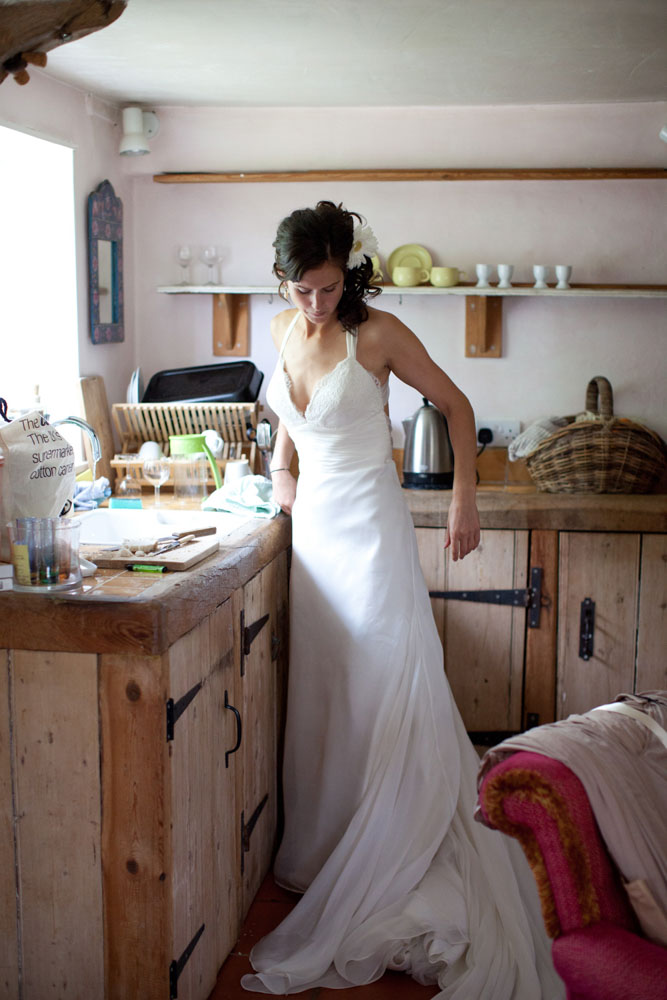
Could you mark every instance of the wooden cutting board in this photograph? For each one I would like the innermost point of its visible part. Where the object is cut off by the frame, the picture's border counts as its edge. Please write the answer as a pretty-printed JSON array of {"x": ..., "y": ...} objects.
[{"x": 176, "y": 559}]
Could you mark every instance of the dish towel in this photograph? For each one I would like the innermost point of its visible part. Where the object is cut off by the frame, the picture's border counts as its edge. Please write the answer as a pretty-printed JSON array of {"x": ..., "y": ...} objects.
[
  {"x": 248, "y": 495},
  {"x": 87, "y": 496}
]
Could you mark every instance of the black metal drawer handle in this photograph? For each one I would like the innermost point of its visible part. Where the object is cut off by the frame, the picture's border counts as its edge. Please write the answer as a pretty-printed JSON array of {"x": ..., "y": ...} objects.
[{"x": 239, "y": 730}]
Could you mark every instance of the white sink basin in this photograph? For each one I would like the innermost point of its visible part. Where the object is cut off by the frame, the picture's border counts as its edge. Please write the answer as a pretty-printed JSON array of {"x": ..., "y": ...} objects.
[{"x": 110, "y": 525}]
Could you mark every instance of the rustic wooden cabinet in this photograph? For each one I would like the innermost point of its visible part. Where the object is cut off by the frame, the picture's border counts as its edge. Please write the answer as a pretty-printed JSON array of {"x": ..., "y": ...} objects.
[
  {"x": 483, "y": 644},
  {"x": 139, "y": 804},
  {"x": 616, "y": 583},
  {"x": 506, "y": 675}
]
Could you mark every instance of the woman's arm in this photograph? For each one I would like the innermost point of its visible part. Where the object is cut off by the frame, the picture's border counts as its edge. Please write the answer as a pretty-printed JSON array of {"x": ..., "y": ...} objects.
[
  {"x": 284, "y": 483},
  {"x": 409, "y": 360}
]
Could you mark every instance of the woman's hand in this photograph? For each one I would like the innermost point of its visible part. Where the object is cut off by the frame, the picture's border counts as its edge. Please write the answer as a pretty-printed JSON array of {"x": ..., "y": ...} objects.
[
  {"x": 284, "y": 489},
  {"x": 462, "y": 535}
]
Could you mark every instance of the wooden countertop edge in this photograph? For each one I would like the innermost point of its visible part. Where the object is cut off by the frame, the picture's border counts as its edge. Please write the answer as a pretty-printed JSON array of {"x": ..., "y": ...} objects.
[
  {"x": 145, "y": 625},
  {"x": 510, "y": 510}
]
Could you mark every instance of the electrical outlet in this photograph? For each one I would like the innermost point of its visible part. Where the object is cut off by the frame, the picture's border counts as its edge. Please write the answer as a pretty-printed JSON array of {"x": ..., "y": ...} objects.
[{"x": 504, "y": 431}]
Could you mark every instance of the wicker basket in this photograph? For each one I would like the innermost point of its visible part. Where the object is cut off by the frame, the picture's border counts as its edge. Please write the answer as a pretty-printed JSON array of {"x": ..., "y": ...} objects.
[{"x": 602, "y": 454}]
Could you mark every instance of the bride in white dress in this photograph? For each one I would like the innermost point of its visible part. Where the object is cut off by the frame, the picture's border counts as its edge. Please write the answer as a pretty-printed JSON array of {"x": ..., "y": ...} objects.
[{"x": 379, "y": 775}]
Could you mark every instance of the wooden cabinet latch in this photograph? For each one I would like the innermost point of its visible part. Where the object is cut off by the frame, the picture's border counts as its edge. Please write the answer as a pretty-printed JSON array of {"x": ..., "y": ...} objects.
[
  {"x": 586, "y": 628},
  {"x": 239, "y": 729},
  {"x": 526, "y": 597}
]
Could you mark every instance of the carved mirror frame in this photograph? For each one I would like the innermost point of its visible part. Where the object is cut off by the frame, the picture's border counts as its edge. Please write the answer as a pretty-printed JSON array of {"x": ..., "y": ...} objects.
[{"x": 105, "y": 225}]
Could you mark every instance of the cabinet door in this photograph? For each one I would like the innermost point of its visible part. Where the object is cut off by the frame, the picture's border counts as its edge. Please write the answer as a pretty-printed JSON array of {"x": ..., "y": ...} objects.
[
  {"x": 652, "y": 637},
  {"x": 605, "y": 568},
  {"x": 9, "y": 956},
  {"x": 202, "y": 665},
  {"x": 258, "y": 812},
  {"x": 483, "y": 643},
  {"x": 56, "y": 797}
]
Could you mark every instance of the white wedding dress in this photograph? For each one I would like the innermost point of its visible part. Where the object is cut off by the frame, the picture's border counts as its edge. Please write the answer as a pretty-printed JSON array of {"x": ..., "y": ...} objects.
[{"x": 379, "y": 774}]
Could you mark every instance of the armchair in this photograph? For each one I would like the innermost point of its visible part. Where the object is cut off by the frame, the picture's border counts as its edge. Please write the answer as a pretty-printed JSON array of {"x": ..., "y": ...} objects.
[{"x": 598, "y": 948}]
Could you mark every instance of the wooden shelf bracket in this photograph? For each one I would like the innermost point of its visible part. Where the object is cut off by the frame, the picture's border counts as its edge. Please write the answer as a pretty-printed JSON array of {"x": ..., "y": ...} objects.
[
  {"x": 484, "y": 326},
  {"x": 230, "y": 325}
]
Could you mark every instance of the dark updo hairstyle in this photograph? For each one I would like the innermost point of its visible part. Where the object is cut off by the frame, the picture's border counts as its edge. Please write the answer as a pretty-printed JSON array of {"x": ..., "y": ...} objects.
[{"x": 310, "y": 237}]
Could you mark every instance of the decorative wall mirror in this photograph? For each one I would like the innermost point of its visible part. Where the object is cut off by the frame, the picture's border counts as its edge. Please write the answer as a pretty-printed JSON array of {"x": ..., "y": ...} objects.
[{"x": 105, "y": 259}]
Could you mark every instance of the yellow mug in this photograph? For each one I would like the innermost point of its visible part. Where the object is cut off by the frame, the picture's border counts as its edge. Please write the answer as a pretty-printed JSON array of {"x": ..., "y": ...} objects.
[
  {"x": 404, "y": 277},
  {"x": 445, "y": 277}
]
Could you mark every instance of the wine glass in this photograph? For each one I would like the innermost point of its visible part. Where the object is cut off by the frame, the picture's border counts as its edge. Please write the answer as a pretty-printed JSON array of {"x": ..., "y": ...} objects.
[
  {"x": 156, "y": 471},
  {"x": 184, "y": 256},
  {"x": 210, "y": 257}
]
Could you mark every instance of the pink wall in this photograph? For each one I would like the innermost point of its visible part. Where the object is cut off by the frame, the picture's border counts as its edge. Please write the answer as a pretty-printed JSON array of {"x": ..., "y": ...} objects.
[{"x": 608, "y": 231}]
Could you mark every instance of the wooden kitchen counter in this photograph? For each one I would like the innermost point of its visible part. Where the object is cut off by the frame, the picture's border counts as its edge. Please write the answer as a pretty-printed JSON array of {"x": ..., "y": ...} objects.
[
  {"x": 123, "y": 612},
  {"x": 520, "y": 507}
]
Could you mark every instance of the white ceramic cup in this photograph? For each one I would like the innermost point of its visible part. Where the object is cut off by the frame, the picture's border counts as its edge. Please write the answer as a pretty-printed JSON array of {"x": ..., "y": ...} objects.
[
  {"x": 563, "y": 272},
  {"x": 540, "y": 274},
  {"x": 235, "y": 469},
  {"x": 150, "y": 450},
  {"x": 505, "y": 272},
  {"x": 483, "y": 272},
  {"x": 214, "y": 443}
]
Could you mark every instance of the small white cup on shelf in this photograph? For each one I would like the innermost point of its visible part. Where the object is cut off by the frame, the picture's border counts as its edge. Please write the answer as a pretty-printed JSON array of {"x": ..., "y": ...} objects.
[
  {"x": 563, "y": 273},
  {"x": 505, "y": 272},
  {"x": 540, "y": 275},
  {"x": 483, "y": 272}
]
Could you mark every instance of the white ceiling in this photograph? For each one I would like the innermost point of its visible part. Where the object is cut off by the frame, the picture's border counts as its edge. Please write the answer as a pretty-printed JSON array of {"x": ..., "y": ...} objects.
[{"x": 347, "y": 53}]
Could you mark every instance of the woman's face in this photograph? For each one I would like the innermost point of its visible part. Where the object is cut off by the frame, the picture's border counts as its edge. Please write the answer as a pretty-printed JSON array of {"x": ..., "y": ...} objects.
[{"x": 318, "y": 293}]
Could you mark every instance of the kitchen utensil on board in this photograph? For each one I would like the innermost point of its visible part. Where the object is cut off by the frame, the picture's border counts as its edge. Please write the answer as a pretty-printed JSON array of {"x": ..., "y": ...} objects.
[{"x": 428, "y": 459}]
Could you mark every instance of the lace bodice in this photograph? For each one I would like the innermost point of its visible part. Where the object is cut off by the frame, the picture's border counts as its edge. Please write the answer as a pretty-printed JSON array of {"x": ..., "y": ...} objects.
[{"x": 347, "y": 394}]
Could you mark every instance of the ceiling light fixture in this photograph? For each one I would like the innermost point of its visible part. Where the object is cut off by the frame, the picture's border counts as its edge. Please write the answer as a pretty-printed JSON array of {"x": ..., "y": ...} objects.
[{"x": 138, "y": 127}]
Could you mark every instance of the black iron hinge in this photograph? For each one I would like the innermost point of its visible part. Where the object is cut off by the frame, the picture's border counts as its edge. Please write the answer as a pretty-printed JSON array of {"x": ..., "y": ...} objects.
[
  {"x": 175, "y": 709},
  {"x": 248, "y": 635},
  {"x": 247, "y": 828},
  {"x": 177, "y": 966},
  {"x": 526, "y": 597}
]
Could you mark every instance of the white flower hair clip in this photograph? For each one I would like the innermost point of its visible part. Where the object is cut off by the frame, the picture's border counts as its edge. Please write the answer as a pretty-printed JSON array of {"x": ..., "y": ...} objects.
[{"x": 364, "y": 244}]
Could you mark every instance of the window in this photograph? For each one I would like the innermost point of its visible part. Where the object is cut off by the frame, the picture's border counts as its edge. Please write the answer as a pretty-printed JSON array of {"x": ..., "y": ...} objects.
[{"x": 38, "y": 305}]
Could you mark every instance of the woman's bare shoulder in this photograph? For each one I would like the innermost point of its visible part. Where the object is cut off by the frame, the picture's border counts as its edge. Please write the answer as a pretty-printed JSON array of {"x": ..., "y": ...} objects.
[
  {"x": 279, "y": 324},
  {"x": 383, "y": 326}
]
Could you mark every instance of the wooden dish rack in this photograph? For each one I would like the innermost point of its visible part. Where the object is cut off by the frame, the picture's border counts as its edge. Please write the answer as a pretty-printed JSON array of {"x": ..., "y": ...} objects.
[{"x": 236, "y": 423}]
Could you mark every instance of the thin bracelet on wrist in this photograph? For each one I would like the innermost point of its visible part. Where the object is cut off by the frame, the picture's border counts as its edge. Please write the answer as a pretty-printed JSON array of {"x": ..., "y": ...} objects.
[{"x": 283, "y": 468}]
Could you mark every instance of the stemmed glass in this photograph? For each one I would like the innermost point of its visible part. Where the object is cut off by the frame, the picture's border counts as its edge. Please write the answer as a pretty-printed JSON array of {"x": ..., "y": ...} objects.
[
  {"x": 184, "y": 256},
  {"x": 210, "y": 257},
  {"x": 156, "y": 471}
]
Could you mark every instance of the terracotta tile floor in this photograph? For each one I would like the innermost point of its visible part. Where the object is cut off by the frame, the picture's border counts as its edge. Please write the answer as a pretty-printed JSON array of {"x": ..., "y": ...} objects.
[{"x": 270, "y": 906}]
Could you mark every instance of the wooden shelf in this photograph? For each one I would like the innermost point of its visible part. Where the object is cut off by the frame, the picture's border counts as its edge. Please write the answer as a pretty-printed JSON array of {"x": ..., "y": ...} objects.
[
  {"x": 427, "y": 174},
  {"x": 576, "y": 291},
  {"x": 484, "y": 309}
]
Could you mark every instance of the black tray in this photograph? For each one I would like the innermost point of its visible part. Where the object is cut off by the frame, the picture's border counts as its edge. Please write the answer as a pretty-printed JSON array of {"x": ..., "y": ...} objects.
[{"x": 232, "y": 382}]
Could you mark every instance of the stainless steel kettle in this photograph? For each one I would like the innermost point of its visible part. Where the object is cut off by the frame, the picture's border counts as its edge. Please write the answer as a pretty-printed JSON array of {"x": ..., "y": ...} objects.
[{"x": 428, "y": 459}]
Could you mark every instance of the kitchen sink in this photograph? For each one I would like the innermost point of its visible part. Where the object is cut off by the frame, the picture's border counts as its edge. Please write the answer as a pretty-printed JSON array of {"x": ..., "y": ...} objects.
[{"x": 111, "y": 525}]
